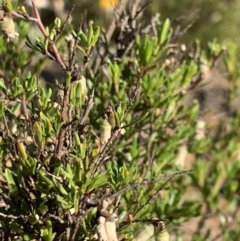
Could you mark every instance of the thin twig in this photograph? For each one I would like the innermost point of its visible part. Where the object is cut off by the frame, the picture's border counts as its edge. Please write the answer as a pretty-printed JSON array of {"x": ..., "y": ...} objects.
[
  {"x": 80, "y": 217},
  {"x": 217, "y": 58},
  {"x": 109, "y": 34},
  {"x": 75, "y": 43},
  {"x": 61, "y": 135},
  {"x": 6, "y": 126},
  {"x": 105, "y": 150},
  {"x": 90, "y": 104},
  {"x": 159, "y": 189},
  {"x": 58, "y": 219},
  {"x": 137, "y": 12},
  {"x": 134, "y": 95},
  {"x": 64, "y": 23},
  {"x": 25, "y": 17},
  {"x": 10, "y": 216},
  {"x": 24, "y": 107},
  {"x": 58, "y": 59},
  {"x": 145, "y": 220},
  {"x": 147, "y": 182}
]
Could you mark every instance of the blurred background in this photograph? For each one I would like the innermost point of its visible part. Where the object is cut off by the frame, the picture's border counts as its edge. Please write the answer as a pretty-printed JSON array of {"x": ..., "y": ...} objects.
[{"x": 204, "y": 19}]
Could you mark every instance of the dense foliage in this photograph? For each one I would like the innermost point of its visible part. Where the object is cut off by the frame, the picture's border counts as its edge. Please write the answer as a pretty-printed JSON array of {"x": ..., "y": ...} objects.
[{"x": 126, "y": 129}]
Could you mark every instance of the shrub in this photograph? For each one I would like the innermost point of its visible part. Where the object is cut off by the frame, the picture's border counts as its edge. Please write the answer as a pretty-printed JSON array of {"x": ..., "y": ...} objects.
[{"x": 102, "y": 144}]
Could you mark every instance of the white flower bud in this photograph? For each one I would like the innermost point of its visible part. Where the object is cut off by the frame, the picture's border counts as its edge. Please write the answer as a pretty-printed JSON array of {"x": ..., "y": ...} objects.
[
  {"x": 101, "y": 231},
  {"x": 144, "y": 233},
  {"x": 162, "y": 234},
  {"x": 7, "y": 27},
  {"x": 110, "y": 226},
  {"x": 105, "y": 132}
]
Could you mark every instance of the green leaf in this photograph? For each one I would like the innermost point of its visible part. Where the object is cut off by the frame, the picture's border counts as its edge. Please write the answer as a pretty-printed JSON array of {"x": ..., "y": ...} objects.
[
  {"x": 164, "y": 32},
  {"x": 3, "y": 86},
  {"x": 136, "y": 121},
  {"x": 9, "y": 177},
  {"x": 98, "y": 181}
]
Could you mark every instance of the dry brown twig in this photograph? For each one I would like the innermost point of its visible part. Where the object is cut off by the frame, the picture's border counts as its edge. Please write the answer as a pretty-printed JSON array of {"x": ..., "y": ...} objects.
[
  {"x": 52, "y": 44},
  {"x": 147, "y": 182},
  {"x": 111, "y": 29}
]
